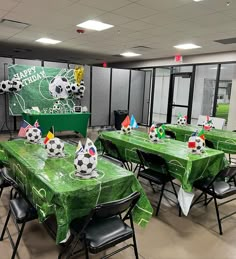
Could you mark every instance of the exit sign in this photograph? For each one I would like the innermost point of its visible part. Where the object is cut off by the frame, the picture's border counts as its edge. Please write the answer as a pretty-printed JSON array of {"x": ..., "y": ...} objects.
[{"x": 178, "y": 58}]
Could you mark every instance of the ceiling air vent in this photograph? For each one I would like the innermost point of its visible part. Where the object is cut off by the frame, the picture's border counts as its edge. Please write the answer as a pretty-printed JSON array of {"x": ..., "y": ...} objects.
[
  {"x": 14, "y": 24},
  {"x": 227, "y": 41}
]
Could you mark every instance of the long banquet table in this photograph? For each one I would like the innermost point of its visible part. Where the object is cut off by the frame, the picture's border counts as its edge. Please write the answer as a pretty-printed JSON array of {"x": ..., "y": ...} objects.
[
  {"x": 184, "y": 166},
  {"x": 221, "y": 139},
  {"x": 53, "y": 188}
]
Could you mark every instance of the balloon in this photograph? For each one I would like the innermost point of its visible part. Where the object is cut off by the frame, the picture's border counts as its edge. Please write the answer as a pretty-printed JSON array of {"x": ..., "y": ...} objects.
[{"x": 78, "y": 74}]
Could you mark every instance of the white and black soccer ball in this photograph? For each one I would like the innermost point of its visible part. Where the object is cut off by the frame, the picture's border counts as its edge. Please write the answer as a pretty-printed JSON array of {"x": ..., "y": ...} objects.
[
  {"x": 55, "y": 147},
  {"x": 16, "y": 85},
  {"x": 57, "y": 107},
  {"x": 85, "y": 163},
  {"x": 200, "y": 146},
  {"x": 58, "y": 87},
  {"x": 181, "y": 121},
  {"x": 210, "y": 124},
  {"x": 153, "y": 136},
  {"x": 126, "y": 130},
  {"x": 33, "y": 135},
  {"x": 5, "y": 86}
]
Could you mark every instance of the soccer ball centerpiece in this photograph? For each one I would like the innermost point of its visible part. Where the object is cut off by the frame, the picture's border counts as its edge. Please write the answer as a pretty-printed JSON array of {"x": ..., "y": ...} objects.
[
  {"x": 182, "y": 120},
  {"x": 126, "y": 130},
  {"x": 153, "y": 135},
  {"x": 78, "y": 89},
  {"x": 33, "y": 135},
  {"x": 85, "y": 161},
  {"x": 196, "y": 144},
  {"x": 58, "y": 87},
  {"x": 55, "y": 148}
]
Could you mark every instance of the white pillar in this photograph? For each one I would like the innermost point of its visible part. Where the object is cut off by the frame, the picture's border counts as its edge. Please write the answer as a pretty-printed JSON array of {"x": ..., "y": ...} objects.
[{"x": 231, "y": 125}]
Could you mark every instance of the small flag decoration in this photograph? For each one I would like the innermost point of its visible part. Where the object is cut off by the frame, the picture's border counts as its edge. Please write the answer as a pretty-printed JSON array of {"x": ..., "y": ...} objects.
[
  {"x": 133, "y": 122},
  {"x": 196, "y": 142},
  {"x": 126, "y": 121},
  {"x": 50, "y": 135},
  {"x": 36, "y": 124},
  {"x": 161, "y": 132},
  {"x": 23, "y": 128}
]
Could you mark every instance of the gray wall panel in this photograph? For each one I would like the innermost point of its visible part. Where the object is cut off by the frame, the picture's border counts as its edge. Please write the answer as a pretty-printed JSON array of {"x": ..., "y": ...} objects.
[
  {"x": 100, "y": 96},
  {"x": 146, "y": 98},
  {"x": 136, "y": 94},
  {"x": 119, "y": 91},
  {"x": 55, "y": 64},
  {"x": 3, "y": 105},
  {"x": 28, "y": 62},
  {"x": 86, "y": 100}
]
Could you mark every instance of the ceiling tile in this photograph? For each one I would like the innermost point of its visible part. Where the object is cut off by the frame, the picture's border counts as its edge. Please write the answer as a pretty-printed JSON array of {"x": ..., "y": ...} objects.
[
  {"x": 137, "y": 25},
  {"x": 163, "y": 5},
  {"x": 134, "y": 11},
  {"x": 161, "y": 19},
  {"x": 218, "y": 5},
  {"x": 107, "y": 5},
  {"x": 8, "y": 4},
  {"x": 113, "y": 19}
]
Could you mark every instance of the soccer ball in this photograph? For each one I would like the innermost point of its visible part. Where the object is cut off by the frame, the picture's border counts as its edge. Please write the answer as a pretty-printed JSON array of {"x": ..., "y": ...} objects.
[
  {"x": 33, "y": 135},
  {"x": 181, "y": 121},
  {"x": 57, "y": 107},
  {"x": 5, "y": 86},
  {"x": 16, "y": 85},
  {"x": 200, "y": 146},
  {"x": 208, "y": 126},
  {"x": 69, "y": 90},
  {"x": 126, "y": 130},
  {"x": 85, "y": 163},
  {"x": 58, "y": 87},
  {"x": 55, "y": 147},
  {"x": 153, "y": 136},
  {"x": 78, "y": 90}
]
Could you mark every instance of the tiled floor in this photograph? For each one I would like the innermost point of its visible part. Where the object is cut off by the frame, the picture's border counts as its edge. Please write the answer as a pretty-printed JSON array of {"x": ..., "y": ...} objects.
[{"x": 166, "y": 236}]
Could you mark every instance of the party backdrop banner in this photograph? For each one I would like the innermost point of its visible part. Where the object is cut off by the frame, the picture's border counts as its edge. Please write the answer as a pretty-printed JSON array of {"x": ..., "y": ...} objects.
[{"x": 35, "y": 91}]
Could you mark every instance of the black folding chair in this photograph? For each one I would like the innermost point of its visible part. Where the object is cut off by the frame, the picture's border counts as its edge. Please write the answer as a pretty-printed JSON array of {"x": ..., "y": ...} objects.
[
  {"x": 3, "y": 182},
  {"x": 170, "y": 134},
  {"x": 110, "y": 150},
  {"x": 209, "y": 143},
  {"x": 104, "y": 228},
  {"x": 154, "y": 169},
  {"x": 217, "y": 187},
  {"x": 20, "y": 209}
]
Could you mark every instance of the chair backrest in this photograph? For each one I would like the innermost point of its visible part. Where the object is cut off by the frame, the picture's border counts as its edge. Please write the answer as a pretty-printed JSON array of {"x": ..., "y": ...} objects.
[
  {"x": 209, "y": 143},
  {"x": 109, "y": 209},
  {"x": 110, "y": 148},
  {"x": 218, "y": 122},
  {"x": 153, "y": 161},
  {"x": 170, "y": 133}
]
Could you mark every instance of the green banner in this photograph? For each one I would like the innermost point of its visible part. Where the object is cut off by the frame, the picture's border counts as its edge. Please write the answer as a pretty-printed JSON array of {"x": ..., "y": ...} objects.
[{"x": 35, "y": 91}]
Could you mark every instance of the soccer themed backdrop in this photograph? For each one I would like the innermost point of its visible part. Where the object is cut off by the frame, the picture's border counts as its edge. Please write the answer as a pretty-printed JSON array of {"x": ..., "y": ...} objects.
[{"x": 49, "y": 89}]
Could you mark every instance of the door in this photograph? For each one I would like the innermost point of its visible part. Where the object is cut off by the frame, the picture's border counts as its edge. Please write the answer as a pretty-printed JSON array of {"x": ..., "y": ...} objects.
[{"x": 180, "y": 96}]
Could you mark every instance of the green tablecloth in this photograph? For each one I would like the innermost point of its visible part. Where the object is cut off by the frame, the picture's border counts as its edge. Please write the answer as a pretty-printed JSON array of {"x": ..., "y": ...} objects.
[
  {"x": 66, "y": 121},
  {"x": 53, "y": 188},
  {"x": 222, "y": 139},
  {"x": 186, "y": 167}
]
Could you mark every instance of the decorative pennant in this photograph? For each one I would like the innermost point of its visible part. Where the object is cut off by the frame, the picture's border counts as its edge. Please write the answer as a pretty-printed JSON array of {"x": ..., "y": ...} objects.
[
  {"x": 133, "y": 123},
  {"x": 50, "y": 135},
  {"x": 23, "y": 128},
  {"x": 161, "y": 132}
]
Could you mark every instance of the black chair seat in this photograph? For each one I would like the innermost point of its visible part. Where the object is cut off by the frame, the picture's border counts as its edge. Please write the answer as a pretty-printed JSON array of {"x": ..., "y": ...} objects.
[
  {"x": 113, "y": 160},
  {"x": 154, "y": 176},
  {"x": 3, "y": 183},
  {"x": 221, "y": 189},
  {"x": 22, "y": 210},
  {"x": 104, "y": 233}
]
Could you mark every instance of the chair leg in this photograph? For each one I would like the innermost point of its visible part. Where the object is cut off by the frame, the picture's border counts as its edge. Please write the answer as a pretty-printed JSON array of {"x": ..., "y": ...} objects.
[
  {"x": 86, "y": 250},
  {"x": 5, "y": 225},
  {"x": 218, "y": 216},
  {"x": 159, "y": 203},
  {"x": 1, "y": 192},
  {"x": 18, "y": 240},
  {"x": 176, "y": 197}
]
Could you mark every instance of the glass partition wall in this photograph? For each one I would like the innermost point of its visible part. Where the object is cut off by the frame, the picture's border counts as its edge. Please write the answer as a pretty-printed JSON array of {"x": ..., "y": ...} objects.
[{"x": 193, "y": 91}]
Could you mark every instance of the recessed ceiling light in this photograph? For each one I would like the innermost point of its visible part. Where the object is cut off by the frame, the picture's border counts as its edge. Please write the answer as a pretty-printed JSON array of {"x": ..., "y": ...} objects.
[
  {"x": 187, "y": 46},
  {"x": 198, "y": 0},
  {"x": 130, "y": 54},
  {"x": 48, "y": 41},
  {"x": 95, "y": 25}
]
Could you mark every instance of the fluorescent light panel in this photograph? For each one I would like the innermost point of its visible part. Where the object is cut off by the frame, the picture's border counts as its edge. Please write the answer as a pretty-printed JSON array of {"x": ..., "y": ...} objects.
[
  {"x": 95, "y": 25},
  {"x": 198, "y": 0},
  {"x": 187, "y": 46},
  {"x": 130, "y": 54},
  {"x": 48, "y": 41}
]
